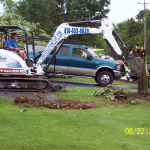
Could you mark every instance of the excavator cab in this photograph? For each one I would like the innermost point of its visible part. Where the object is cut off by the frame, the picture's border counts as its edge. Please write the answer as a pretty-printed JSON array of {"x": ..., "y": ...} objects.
[
  {"x": 15, "y": 74},
  {"x": 5, "y": 34}
]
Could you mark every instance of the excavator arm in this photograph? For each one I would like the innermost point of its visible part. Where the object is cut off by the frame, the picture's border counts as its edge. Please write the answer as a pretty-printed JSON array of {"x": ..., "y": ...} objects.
[{"x": 67, "y": 29}]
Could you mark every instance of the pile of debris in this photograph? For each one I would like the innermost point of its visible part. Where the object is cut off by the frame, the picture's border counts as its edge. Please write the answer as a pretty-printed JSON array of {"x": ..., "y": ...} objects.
[
  {"x": 57, "y": 104},
  {"x": 122, "y": 96}
]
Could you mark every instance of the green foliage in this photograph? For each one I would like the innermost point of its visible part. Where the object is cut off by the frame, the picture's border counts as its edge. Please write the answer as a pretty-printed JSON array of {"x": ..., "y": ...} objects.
[
  {"x": 77, "y": 51},
  {"x": 39, "y": 11},
  {"x": 51, "y": 13},
  {"x": 140, "y": 15},
  {"x": 100, "y": 42},
  {"x": 55, "y": 12},
  {"x": 131, "y": 32},
  {"x": 12, "y": 19},
  {"x": 100, "y": 52},
  {"x": 106, "y": 93},
  {"x": 9, "y": 5}
]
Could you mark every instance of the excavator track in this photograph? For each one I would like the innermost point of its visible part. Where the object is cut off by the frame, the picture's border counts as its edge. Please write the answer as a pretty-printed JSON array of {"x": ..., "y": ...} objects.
[{"x": 24, "y": 84}]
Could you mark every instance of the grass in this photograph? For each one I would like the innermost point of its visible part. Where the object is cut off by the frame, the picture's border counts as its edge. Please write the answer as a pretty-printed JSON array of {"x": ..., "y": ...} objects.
[
  {"x": 94, "y": 47},
  {"x": 79, "y": 93},
  {"x": 93, "y": 129},
  {"x": 100, "y": 52},
  {"x": 91, "y": 80}
]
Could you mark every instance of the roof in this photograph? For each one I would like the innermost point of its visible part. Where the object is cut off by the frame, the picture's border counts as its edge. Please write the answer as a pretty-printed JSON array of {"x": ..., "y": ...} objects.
[{"x": 7, "y": 27}]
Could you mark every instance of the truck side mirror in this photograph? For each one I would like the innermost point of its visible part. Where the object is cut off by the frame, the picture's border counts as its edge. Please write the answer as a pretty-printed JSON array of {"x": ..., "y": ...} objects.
[{"x": 89, "y": 57}]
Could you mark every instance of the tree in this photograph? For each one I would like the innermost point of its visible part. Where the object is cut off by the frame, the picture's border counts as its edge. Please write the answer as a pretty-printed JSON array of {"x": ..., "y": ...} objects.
[
  {"x": 38, "y": 11},
  {"x": 8, "y": 5},
  {"x": 51, "y": 13},
  {"x": 140, "y": 15},
  {"x": 12, "y": 19},
  {"x": 131, "y": 32}
]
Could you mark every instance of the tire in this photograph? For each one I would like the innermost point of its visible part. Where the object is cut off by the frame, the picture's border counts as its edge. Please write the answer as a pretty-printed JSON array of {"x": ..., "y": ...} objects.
[
  {"x": 95, "y": 79},
  {"x": 104, "y": 78}
]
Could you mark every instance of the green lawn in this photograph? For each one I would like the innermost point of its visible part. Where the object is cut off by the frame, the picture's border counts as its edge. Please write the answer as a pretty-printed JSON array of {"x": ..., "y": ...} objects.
[
  {"x": 91, "y": 80},
  {"x": 97, "y": 50},
  {"x": 93, "y": 47},
  {"x": 93, "y": 129},
  {"x": 100, "y": 52}
]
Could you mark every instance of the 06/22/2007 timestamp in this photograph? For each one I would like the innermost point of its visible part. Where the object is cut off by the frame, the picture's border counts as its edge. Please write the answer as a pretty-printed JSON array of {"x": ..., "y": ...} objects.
[{"x": 137, "y": 131}]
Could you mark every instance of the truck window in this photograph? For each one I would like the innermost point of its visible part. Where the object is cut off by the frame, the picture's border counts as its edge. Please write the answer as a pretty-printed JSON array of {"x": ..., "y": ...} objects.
[
  {"x": 78, "y": 52},
  {"x": 64, "y": 51}
]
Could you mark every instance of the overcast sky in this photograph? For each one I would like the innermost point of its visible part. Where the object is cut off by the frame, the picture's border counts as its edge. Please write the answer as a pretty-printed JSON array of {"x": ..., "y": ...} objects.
[
  {"x": 1, "y": 8},
  {"x": 120, "y": 10}
]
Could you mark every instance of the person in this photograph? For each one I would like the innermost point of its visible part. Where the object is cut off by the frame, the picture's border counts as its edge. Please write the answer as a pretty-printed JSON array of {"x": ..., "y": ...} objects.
[
  {"x": 12, "y": 46},
  {"x": 4, "y": 42}
]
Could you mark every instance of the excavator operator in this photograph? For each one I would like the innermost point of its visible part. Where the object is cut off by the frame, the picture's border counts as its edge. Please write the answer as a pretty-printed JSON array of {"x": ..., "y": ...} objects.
[{"x": 12, "y": 46}]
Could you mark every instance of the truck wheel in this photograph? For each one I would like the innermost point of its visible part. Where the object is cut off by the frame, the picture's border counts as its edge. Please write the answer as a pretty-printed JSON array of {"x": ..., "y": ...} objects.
[
  {"x": 95, "y": 79},
  {"x": 104, "y": 78}
]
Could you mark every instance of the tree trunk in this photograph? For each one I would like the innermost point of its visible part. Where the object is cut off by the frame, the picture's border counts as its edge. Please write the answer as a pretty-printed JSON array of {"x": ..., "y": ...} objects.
[{"x": 143, "y": 82}]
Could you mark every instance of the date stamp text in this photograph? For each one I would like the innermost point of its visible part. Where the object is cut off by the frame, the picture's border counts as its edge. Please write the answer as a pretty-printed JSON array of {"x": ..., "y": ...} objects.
[{"x": 137, "y": 131}]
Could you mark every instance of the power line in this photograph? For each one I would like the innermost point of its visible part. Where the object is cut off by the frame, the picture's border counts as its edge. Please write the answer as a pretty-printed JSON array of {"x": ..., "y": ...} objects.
[
  {"x": 144, "y": 22},
  {"x": 121, "y": 19},
  {"x": 125, "y": 12}
]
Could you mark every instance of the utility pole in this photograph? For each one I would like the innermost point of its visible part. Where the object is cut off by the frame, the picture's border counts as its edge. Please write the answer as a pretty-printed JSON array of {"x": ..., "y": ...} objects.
[
  {"x": 144, "y": 22},
  {"x": 143, "y": 82}
]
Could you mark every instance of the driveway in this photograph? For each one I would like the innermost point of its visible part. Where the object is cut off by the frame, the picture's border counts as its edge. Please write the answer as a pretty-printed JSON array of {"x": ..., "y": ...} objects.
[{"x": 91, "y": 85}]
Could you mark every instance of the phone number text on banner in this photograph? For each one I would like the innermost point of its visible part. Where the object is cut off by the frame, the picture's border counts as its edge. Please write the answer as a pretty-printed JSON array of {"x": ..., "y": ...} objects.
[{"x": 76, "y": 30}]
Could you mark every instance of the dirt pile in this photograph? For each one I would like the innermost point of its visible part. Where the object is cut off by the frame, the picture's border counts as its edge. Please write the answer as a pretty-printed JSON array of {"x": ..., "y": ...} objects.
[
  {"x": 144, "y": 95},
  {"x": 122, "y": 96},
  {"x": 59, "y": 104},
  {"x": 21, "y": 99}
]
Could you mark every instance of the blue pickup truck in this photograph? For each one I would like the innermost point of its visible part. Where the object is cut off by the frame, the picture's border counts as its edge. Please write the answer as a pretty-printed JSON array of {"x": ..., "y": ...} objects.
[{"x": 76, "y": 60}]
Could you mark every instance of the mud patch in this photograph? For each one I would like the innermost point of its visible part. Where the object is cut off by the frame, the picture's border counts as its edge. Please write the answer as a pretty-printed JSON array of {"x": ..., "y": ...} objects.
[{"x": 57, "y": 104}]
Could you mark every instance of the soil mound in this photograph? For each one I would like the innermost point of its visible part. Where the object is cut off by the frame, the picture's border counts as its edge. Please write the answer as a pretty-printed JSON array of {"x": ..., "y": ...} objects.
[
  {"x": 21, "y": 99},
  {"x": 144, "y": 95},
  {"x": 59, "y": 104},
  {"x": 121, "y": 95}
]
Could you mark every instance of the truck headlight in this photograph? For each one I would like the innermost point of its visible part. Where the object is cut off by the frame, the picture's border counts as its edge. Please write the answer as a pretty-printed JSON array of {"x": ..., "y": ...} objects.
[{"x": 118, "y": 67}]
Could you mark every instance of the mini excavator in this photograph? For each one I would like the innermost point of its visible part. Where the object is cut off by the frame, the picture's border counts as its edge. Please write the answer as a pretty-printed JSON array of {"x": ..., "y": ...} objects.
[{"x": 16, "y": 75}]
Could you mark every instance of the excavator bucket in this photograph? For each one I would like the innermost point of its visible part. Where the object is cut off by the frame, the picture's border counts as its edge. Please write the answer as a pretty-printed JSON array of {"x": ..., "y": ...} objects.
[
  {"x": 136, "y": 61},
  {"x": 136, "y": 64}
]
